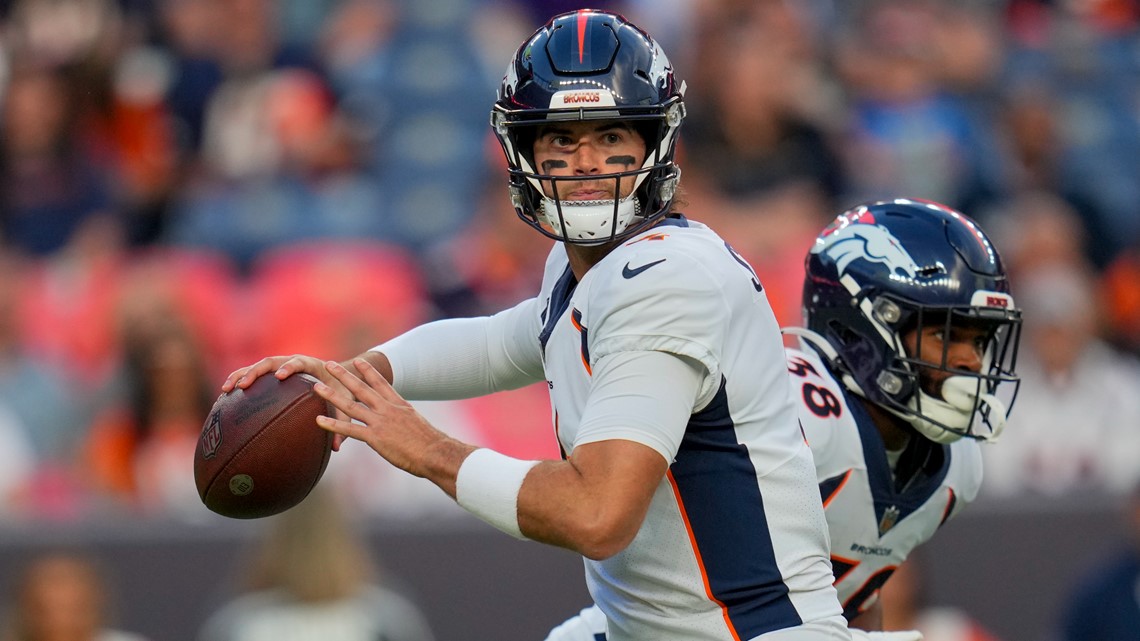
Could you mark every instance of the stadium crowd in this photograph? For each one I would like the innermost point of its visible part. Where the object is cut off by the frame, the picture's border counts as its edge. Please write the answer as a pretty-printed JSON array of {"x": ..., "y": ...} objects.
[{"x": 188, "y": 184}]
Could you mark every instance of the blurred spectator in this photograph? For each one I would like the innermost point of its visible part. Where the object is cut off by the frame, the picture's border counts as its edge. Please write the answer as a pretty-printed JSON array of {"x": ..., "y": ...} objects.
[
  {"x": 50, "y": 186},
  {"x": 1034, "y": 153},
  {"x": 1083, "y": 55},
  {"x": 755, "y": 154},
  {"x": 907, "y": 132},
  {"x": 906, "y": 606},
  {"x": 140, "y": 452},
  {"x": 1122, "y": 300},
  {"x": 280, "y": 168},
  {"x": 1074, "y": 427},
  {"x": 37, "y": 391},
  {"x": 17, "y": 463},
  {"x": 755, "y": 132},
  {"x": 1105, "y": 604},
  {"x": 313, "y": 579},
  {"x": 61, "y": 596},
  {"x": 140, "y": 134},
  {"x": 217, "y": 40},
  {"x": 1035, "y": 229},
  {"x": 494, "y": 263}
]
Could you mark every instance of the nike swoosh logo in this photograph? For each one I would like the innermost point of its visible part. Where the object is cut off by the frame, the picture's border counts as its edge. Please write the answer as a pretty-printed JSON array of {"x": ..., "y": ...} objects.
[{"x": 630, "y": 273}]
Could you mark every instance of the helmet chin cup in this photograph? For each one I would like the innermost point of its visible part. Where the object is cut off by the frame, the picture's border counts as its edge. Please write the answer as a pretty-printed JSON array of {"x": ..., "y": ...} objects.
[
  {"x": 950, "y": 418},
  {"x": 589, "y": 220}
]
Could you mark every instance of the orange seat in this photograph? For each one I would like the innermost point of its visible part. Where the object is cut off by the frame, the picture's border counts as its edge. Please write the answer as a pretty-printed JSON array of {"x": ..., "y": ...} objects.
[
  {"x": 334, "y": 299},
  {"x": 66, "y": 314},
  {"x": 516, "y": 423}
]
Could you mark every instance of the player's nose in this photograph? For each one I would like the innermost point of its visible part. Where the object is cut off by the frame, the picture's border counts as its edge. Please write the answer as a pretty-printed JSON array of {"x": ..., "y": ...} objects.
[
  {"x": 587, "y": 159},
  {"x": 965, "y": 356}
]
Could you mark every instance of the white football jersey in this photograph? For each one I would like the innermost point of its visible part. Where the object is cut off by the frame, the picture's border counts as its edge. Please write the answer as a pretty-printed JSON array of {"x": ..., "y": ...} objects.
[
  {"x": 735, "y": 543},
  {"x": 875, "y": 523}
]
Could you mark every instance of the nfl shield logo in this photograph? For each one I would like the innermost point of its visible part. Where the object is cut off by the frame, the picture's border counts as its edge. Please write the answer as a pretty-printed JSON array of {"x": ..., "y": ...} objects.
[
  {"x": 212, "y": 435},
  {"x": 890, "y": 517}
]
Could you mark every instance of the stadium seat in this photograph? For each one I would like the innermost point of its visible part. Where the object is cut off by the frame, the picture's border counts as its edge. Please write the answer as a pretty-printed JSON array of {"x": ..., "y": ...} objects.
[{"x": 334, "y": 299}]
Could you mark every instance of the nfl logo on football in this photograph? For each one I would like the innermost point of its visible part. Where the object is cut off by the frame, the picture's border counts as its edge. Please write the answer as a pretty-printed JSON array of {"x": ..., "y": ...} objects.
[{"x": 212, "y": 436}]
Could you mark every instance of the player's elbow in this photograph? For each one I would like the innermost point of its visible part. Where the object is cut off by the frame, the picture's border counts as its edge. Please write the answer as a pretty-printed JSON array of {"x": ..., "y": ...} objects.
[{"x": 601, "y": 538}]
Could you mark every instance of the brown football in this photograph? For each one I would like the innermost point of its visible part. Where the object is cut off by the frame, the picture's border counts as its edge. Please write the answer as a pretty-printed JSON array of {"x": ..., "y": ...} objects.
[{"x": 261, "y": 451}]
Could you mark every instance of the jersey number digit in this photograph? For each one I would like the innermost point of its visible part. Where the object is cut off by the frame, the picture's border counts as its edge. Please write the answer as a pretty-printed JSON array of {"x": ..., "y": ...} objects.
[{"x": 821, "y": 401}]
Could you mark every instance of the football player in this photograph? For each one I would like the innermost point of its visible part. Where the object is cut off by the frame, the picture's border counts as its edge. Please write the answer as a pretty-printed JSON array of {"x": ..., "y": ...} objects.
[
  {"x": 686, "y": 482},
  {"x": 911, "y": 330}
]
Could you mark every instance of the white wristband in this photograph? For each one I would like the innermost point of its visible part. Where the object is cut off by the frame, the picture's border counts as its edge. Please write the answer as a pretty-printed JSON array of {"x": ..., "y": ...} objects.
[{"x": 488, "y": 486}]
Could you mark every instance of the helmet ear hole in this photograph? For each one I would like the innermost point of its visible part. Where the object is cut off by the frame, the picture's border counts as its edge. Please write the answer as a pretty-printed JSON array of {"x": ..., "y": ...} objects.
[{"x": 843, "y": 334}]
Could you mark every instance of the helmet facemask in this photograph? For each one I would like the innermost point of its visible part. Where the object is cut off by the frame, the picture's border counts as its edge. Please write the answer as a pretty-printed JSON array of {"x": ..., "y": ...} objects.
[
  {"x": 942, "y": 402},
  {"x": 595, "y": 222}
]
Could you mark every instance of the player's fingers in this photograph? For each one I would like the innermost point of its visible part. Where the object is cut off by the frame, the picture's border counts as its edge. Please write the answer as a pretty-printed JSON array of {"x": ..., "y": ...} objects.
[
  {"x": 245, "y": 376},
  {"x": 347, "y": 407},
  {"x": 362, "y": 391},
  {"x": 342, "y": 428},
  {"x": 355, "y": 401},
  {"x": 376, "y": 380},
  {"x": 299, "y": 364}
]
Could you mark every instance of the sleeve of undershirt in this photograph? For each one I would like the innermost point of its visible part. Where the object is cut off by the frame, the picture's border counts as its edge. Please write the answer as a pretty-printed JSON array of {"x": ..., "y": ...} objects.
[
  {"x": 643, "y": 396},
  {"x": 467, "y": 357}
]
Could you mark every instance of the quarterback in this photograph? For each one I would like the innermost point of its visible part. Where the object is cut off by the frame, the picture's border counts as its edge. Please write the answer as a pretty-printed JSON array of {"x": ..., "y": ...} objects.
[
  {"x": 685, "y": 483},
  {"x": 911, "y": 329}
]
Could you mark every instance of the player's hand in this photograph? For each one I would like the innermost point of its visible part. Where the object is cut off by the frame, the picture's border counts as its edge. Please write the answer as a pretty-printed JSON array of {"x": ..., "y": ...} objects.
[
  {"x": 283, "y": 367},
  {"x": 369, "y": 410},
  {"x": 899, "y": 635}
]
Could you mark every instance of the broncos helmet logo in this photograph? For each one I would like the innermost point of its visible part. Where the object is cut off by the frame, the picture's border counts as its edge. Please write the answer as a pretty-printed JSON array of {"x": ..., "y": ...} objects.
[{"x": 873, "y": 243}]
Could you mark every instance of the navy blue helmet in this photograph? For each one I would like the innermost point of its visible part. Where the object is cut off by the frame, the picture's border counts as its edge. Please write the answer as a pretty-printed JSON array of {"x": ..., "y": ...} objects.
[
  {"x": 883, "y": 269},
  {"x": 590, "y": 65}
]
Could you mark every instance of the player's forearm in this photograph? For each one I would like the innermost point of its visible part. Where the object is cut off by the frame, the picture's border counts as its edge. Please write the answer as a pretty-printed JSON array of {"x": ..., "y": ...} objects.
[
  {"x": 593, "y": 503},
  {"x": 557, "y": 506},
  {"x": 465, "y": 357}
]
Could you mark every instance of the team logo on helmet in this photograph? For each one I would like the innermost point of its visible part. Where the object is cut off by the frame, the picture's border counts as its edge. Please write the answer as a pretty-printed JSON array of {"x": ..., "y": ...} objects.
[{"x": 872, "y": 243}]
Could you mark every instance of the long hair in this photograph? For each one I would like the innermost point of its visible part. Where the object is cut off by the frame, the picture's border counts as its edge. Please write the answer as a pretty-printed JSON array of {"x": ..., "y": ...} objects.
[{"x": 312, "y": 552}]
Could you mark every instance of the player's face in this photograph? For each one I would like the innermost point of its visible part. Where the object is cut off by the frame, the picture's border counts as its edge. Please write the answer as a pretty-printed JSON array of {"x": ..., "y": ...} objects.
[
  {"x": 588, "y": 148},
  {"x": 960, "y": 348}
]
